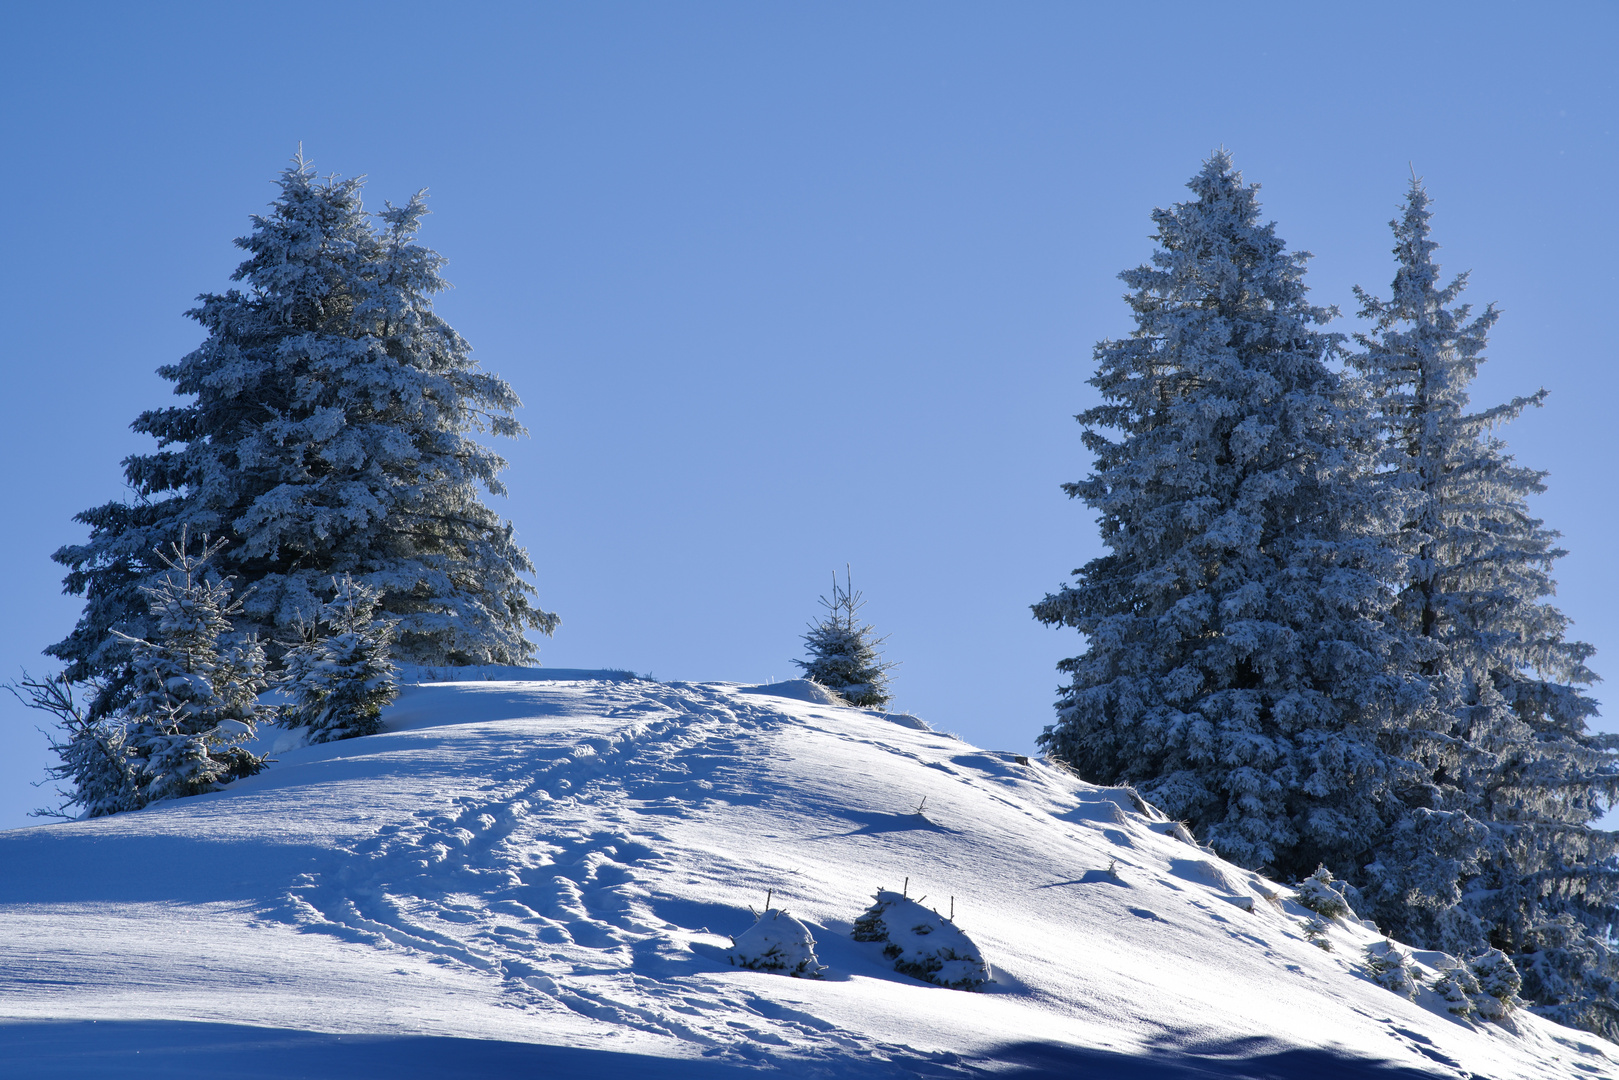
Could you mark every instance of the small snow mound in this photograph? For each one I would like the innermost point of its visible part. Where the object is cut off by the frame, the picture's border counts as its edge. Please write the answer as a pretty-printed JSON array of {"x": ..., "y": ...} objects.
[
  {"x": 922, "y": 943},
  {"x": 777, "y": 942},
  {"x": 905, "y": 719},
  {"x": 797, "y": 690},
  {"x": 282, "y": 740}
]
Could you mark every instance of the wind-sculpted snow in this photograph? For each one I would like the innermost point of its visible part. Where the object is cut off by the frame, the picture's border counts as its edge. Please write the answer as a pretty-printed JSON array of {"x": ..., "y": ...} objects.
[{"x": 553, "y": 870}]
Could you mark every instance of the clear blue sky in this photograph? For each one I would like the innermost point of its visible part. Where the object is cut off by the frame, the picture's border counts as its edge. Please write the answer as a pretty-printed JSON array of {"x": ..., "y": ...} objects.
[{"x": 789, "y": 286}]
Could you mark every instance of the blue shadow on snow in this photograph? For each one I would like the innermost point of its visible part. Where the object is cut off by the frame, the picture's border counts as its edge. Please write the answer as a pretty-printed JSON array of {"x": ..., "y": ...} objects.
[
  {"x": 124, "y": 1050},
  {"x": 875, "y": 824}
]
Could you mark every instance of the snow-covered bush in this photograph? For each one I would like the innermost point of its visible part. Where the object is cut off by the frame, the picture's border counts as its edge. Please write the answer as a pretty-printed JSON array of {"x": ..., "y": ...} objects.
[
  {"x": 1315, "y": 932},
  {"x": 1324, "y": 895},
  {"x": 1389, "y": 967},
  {"x": 843, "y": 654},
  {"x": 1498, "y": 984},
  {"x": 1485, "y": 987},
  {"x": 922, "y": 943},
  {"x": 777, "y": 942},
  {"x": 1458, "y": 989},
  {"x": 339, "y": 676}
]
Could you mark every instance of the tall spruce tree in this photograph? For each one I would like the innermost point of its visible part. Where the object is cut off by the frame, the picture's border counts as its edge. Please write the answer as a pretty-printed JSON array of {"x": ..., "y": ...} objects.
[
  {"x": 1517, "y": 780},
  {"x": 325, "y": 432},
  {"x": 1239, "y": 666}
]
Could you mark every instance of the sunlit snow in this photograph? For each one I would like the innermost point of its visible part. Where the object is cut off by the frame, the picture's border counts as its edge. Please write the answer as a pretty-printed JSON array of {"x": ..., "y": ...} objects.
[{"x": 548, "y": 874}]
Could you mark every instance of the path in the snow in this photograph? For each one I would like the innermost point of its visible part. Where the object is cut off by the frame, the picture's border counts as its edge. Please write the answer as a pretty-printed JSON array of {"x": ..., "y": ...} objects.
[{"x": 547, "y": 884}]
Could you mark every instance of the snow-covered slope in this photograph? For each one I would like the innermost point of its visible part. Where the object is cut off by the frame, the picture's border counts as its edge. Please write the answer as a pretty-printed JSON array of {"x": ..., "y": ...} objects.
[{"x": 543, "y": 876}]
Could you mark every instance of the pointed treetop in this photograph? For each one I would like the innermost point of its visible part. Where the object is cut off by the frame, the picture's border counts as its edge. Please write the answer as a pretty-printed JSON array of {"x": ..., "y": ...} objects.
[
  {"x": 1414, "y": 249},
  {"x": 1215, "y": 254}
]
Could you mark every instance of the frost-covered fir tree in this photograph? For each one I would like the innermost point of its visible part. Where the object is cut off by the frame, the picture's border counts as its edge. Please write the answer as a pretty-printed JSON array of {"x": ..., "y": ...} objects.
[
  {"x": 843, "y": 650},
  {"x": 196, "y": 686},
  {"x": 339, "y": 676},
  {"x": 1516, "y": 783},
  {"x": 326, "y": 431},
  {"x": 1239, "y": 668}
]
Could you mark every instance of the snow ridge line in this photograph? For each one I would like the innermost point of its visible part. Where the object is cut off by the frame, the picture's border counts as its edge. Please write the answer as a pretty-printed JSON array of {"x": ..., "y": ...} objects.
[{"x": 540, "y": 887}]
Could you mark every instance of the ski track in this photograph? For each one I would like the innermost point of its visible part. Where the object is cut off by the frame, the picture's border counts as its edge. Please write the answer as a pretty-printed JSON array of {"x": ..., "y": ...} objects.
[{"x": 524, "y": 888}]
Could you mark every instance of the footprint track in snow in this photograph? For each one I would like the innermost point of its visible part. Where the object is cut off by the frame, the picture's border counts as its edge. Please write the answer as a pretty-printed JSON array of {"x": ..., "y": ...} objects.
[{"x": 531, "y": 887}]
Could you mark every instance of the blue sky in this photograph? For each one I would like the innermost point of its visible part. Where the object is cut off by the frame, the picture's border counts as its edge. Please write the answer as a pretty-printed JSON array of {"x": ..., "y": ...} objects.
[{"x": 789, "y": 286}]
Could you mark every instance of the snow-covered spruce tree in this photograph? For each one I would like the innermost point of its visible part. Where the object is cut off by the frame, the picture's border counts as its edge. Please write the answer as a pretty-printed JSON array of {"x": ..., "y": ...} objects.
[
  {"x": 1239, "y": 667},
  {"x": 326, "y": 432},
  {"x": 339, "y": 676},
  {"x": 843, "y": 651},
  {"x": 1518, "y": 765},
  {"x": 196, "y": 686}
]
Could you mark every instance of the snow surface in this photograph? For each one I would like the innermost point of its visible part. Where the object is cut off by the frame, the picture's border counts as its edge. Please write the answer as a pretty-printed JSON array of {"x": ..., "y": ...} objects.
[{"x": 533, "y": 876}]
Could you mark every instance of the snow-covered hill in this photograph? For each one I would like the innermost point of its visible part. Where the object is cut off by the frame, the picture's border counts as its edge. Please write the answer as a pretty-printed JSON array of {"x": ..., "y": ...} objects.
[{"x": 543, "y": 875}]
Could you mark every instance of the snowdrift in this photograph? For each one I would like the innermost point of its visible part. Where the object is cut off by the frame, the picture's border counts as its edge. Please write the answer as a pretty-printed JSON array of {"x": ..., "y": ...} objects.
[{"x": 538, "y": 876}]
